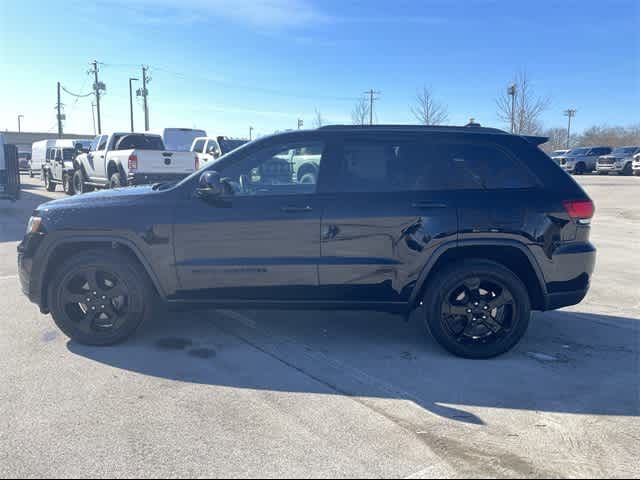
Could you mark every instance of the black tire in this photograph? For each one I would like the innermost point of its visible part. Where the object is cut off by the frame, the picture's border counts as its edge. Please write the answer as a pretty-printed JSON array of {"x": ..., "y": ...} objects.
[
  {"x": 31, "y": 174},
  {"x": 481, "y": 339},
  {"x": 628, "y": 169},
  {"x": 603, "y": 173},
  {"x": 580, "y": 169},
  {"x": 78, "y": 182},
  {"x": 116, "y": 181},
  {"x": 67, "y": 185},
  {"x": 100, "y": 297},
  {"x": 49, "y": 184}
]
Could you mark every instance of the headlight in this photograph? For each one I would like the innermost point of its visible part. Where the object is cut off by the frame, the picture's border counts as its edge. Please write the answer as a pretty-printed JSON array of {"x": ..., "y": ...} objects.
[{"x": 34, "y": 225}]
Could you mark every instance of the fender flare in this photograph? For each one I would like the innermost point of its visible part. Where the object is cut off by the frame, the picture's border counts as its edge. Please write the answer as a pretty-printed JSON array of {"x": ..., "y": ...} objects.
[
  {"x": 114, "y": 240},
  {"x": 442, "y": 249}
]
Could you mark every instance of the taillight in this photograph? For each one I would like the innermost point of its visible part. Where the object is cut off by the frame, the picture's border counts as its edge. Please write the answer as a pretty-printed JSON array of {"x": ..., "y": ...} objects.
[
  {"x": 133, "y": 162},
  {"x": 580, "y": 210},
  {"x": 197, "y": 164}
]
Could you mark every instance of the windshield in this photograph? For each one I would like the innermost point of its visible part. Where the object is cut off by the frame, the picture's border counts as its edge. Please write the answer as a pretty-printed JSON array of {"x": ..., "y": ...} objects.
[
  {"x": 625, "y": 150},
  {"x": 576, "y": 152}
]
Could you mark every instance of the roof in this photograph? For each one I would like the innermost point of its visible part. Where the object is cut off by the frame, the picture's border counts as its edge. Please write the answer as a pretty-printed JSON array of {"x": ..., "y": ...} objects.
[{"x": 416, "y": 128}]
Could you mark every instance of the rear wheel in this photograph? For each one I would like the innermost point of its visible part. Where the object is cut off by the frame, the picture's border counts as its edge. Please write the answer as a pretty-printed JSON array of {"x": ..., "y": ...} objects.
[
  {"x": 78, "y": 184},
  {"x": 116, "y": 181},
  {"x": 100, "y": 297},
  {"x": 477, "y": 309},
  {"x": 67, "y": 185}
]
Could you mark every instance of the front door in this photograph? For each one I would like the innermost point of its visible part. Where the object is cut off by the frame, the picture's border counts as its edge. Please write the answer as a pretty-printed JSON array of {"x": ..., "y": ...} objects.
[{"x": 261, "y": 241}]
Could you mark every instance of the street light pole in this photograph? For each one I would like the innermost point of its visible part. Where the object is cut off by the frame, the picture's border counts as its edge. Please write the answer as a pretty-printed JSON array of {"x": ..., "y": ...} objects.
[
  {"x": 571, "y": 112},
  {"x": 250, "y": 133},
  {"x": 131, "y": 100},
  {"x": 512, "y": 92},
  {"x": 19, "y": 117}
]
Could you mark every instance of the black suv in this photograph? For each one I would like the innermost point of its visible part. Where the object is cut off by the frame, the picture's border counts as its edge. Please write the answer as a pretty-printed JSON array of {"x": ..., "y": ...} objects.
[{"x": 476, "y": 225}]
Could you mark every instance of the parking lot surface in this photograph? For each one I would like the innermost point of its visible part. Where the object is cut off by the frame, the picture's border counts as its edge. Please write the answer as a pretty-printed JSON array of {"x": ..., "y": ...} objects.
[{"x": 328, "y": 394}]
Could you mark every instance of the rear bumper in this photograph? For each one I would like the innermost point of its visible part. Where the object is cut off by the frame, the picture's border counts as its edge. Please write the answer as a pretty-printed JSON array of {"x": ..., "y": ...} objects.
[
  {"x": 569, "y": 277},
  {"x": 139, "y": 178}
]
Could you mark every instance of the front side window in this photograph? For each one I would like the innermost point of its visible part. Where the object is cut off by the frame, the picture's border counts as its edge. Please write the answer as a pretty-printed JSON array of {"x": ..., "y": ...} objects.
[
  {"x": 278, "y": 170},
  {"x": 103, "y": 142},
  {"x": 199, "y": 146}
]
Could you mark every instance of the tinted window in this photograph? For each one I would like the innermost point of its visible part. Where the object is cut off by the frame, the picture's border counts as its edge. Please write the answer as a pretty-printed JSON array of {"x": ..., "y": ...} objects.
[
  {"x": 199, "y": 146},
  {"x": 278, "y": 170},
  {"x": 67, "y": 154},
  {"x": 601, "y": 151},
  {"x": 140, "y": 142},
  {"x": 485, "y": 166},
  {"x": 103, "y": 142}
]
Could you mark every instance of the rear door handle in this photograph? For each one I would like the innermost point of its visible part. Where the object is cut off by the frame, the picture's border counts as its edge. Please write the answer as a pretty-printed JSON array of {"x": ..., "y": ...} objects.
[
  {"x": 427, "y": 205},
  {"x": 290, "y": 209}
]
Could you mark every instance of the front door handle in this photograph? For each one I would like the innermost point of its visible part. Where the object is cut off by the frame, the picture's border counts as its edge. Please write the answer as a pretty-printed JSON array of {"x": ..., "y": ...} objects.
[
  {"x": 427, "y": 205},
  {"x": 290, "y": 209}
]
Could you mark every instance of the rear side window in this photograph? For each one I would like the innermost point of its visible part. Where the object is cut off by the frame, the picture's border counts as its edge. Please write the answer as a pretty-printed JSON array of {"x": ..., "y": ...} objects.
[
  {"x": 199, "y": 146},
  {"x": 389, "y": 166},
  {"x": 485, "y": 167}
]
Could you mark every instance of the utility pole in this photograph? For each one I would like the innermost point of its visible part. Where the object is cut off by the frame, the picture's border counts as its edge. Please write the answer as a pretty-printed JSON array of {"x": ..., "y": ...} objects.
[
  {"x": 93, "y": 116},
  {"x": 571, "y": 112},
  {"x": 145, "y": 93},
  {"x": 131, "y": 100},
  {"x": 97, "y": 86},
  {"x": 300, "y": 123},
  {"x": 512, "y": 92},
  {"x": 372, "y": 98},
  {"x": 250, "y": 133},
  {"x": 59, "y": 115},
  {"x": 19, "y": 117}
]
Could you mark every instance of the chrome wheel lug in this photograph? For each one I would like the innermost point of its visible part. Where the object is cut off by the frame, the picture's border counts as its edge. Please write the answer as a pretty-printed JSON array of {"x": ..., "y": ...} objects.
[
  {"x": 468, "y": 310},
  {"x": 476, "y": 303},
  {"x": 485, "y": 308}
]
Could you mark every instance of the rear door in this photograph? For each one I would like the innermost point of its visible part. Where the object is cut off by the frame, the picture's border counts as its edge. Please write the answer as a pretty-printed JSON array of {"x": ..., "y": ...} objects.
[{"x": 387, "y": 209}]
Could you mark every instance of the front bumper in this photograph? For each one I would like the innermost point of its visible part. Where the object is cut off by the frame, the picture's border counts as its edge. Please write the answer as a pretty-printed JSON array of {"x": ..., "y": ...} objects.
[
  {"x": 609, "y": 167},
  {"x": 29, "y": 282},
  {"x": 148, "y": 178}
]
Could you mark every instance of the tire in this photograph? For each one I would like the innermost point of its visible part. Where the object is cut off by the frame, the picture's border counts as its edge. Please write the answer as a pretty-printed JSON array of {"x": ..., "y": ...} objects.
[
  {"x": 31, "y": 174},
  {"x": 49, "y": 184},
  {"x": 67, "y": 185},
  {"x": 628, "y": 170},
  {"x": 603, "y": 173},
  {"x": 100, "y": 297},
  {"x": 78, "y": 182},
  {"x": 477, "y": 340},
  {"x": 580, "y": 169},
  {"x": 116, "y": 181}
]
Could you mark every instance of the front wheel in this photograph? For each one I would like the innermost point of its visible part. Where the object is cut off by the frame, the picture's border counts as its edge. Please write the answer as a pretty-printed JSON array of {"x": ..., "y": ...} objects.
[
  {"x": 49, "y": 184},
  {"x": 628, "y": 170},
  {"x": 580, "y": 169},
  {"x": 100, "y": 297},
  {"x": 78, "y": 184},
  {"x": 67, "y": 184},
  {"x": 477, "y": 309}
]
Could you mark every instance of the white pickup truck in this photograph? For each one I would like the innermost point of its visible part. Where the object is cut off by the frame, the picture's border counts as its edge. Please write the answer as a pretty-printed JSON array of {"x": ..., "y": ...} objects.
[
  {"x": 209, "y": 149},
  {"x": 121, "y": 159}
]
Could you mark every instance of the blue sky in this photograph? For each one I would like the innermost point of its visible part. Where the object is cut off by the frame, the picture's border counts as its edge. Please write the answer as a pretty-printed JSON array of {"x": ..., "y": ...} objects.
[{"x": 225, "y": 65}]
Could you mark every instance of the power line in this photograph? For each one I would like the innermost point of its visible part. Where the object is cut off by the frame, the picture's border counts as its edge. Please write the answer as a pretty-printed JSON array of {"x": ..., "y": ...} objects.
[{"x": 75, "y": 94}]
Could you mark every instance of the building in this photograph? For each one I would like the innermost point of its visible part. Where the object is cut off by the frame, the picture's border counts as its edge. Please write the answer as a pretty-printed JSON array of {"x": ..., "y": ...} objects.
[{"x": 24, "y": 140}]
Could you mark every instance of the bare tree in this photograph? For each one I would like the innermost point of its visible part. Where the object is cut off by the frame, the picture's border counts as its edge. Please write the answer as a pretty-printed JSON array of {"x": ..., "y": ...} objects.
[
  {"x": 360, "y": 112},
  {"x": 525, "y": 110},
  {"x": 557, "y": 139},
  {"x": 318, "y": 119},
  {"x": 427, "y": 110}
]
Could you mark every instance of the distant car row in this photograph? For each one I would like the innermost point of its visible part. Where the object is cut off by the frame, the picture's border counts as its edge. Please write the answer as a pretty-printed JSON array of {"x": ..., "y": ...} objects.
[
  {"x": 601, "y": 159},
  {"x": 122, "y": 158}
]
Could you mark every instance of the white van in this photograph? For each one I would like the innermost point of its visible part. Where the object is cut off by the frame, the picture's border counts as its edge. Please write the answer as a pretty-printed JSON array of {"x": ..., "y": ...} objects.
[
  {"x": 179, "y": 139},
  {"x": 39, "y": 154}
]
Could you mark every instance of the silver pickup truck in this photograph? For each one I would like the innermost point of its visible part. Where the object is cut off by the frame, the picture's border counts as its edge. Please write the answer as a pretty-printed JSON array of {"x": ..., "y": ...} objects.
[
  {"x": 583, "y": 160},
  {"x": 120, "y": 159},
  {"x": 619, "y": 161}
]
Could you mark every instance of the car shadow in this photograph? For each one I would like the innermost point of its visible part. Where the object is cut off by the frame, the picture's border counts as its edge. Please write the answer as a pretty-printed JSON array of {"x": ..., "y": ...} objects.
[{"x": 569, "y": 362}]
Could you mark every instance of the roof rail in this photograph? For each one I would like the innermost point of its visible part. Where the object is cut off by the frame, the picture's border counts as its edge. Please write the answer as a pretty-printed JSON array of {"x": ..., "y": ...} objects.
[{"x": 435, "y": 128}]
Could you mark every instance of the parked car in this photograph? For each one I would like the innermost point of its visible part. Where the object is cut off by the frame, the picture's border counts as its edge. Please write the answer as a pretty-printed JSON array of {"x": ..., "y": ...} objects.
[
  {"x": 24, "y": 162},
  {"x": 636, "y": 164},
  {"x": 209, "y": 149},
  {"x": 558, "y": 155},
  {"x": 619, "y": 161},
  {"x": 477, "y": 226},
  {"x": 61, "y": 164},
  {"x": 583, "y": 160},
  {"x": 179, "y": 139},
  {"x": 120, "y": 159}
]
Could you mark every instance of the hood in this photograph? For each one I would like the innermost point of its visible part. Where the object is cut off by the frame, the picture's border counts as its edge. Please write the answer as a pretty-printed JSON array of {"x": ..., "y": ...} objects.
[{"x": 99, "y": 198}]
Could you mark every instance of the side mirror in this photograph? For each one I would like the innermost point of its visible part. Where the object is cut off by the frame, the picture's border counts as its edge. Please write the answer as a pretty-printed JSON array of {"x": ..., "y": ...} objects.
[{"x": 211, "y": 186}]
